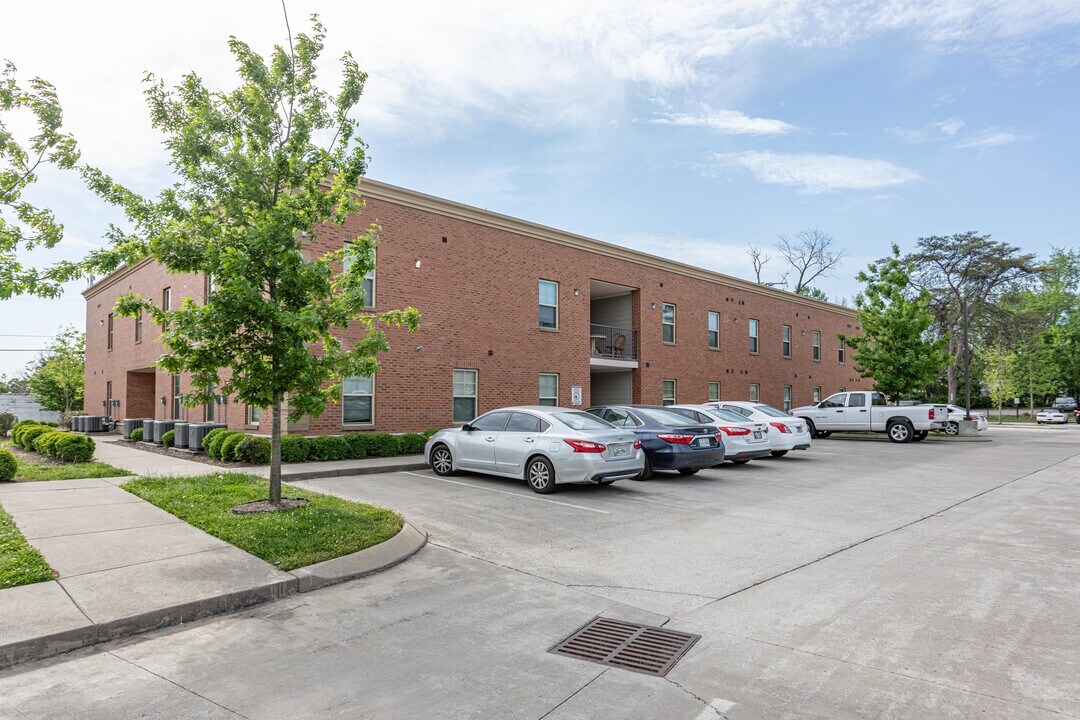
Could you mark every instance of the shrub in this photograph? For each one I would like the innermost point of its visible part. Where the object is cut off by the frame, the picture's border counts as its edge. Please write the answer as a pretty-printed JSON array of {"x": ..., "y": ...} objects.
[
  {"x": 254, "y": 450},
  {"x": 136, "y": 435},
  {"x": 213, "y": 437},
  {"x": 411, "y": 443},
  {"x": 383, "y": 445},
  {"x": 429, "y": 433},
  {"x": 8, "y": 465},
  {"x": 329, "y": 447},
  {"x": 19, "y": 428},
  {"x": 213, "y": 448},
  {"x": 28, "y": 435},
  {"x": 7, "y": 421},
  {"x": 294, "y": 448},
  {"x": 226, "y": 449},
  {"x": 358, "y": 446},
  {"x": 46, "y": 442},
  {"x": 169, "y": 438},
  {"x": 72, "y": 447}
]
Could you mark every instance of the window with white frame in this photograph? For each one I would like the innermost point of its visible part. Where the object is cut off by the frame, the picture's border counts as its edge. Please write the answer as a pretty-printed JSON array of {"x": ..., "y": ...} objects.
[
  {"x": 669, "y": 392},
  {"x": 787, "y": 398},
  {"x": 840, "y": 351},
  {"x": 714, "y": 330},
  {"x": 714, "y": 392},
  {"x": 464, "y": 395},
  {"x": 817, "y": 346},
  {"x": 787, "y": 341},
  {"x": 358, "y": 400},
  {"x": 817, "y": 394},
  {"x": 549, "y": 389},
  {"x": 253, "y": 415},
  {"x": 753, "y": 335},
  {"x": 138, "y": 328},
  {"x": 755, "y": 392},
  {"x": 667, "y": 320},
  {"x": 369, "y": 278},
  {"x": 549, "y": 304}
]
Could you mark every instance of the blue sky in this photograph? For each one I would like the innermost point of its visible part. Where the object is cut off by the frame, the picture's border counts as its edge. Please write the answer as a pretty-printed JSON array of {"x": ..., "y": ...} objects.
[{"x": 685, "y": 129}]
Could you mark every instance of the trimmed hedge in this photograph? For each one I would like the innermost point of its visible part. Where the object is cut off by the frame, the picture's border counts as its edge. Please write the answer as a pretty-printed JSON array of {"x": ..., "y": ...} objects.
[
  {"x": 215, "y": 443},
  {"x": 136, "y": 435},
  {"x": 8, "y": 465},
  {"x": 29, "y": 434},
  {"x": 57, "y": 444},
  {"x": 234, "y": 446},
  {"x": 294, "y": 448},
  {"x": 169, "y": 438},
  {"x": 329, "y": 447},
  {"x": 254, "y": 450},
  {"x": 227, "y": 447}
]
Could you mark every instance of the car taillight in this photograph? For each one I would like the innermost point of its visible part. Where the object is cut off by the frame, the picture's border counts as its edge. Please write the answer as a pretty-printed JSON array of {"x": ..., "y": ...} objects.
[
  {"x": 931, "y": 413},
  {"x": 637, "y": 444},
  {"x": 677, "y": 439},
  {"x": 734, "y": 430},
  {"x": 780, "y": 426},
  {"x": 586, "y": 446}
]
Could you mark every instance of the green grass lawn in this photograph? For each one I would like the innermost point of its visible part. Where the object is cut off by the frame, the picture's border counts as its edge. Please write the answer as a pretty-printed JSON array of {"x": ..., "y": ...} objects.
[
  {"x": 327, "y": 527},
  {"x": 20, "y": 564},
  {"x": 31, "y": 470}
]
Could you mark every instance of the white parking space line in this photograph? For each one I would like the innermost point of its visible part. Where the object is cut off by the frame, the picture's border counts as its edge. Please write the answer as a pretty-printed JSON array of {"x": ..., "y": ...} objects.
[{"x": 504, "y": 492}]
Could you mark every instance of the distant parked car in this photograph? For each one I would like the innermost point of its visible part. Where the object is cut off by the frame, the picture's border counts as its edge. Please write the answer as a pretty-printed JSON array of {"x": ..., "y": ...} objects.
[
  {"x": 671, "y": 441},
  {"x": 547, "y": 446},
  {"x": 956, "y": 414},
  {"x": 1066, "y": 404},
  {"x": 791, "y": 433},
  {"x": 1051, "y": 415},
  {"x": 744, "y": 439}
]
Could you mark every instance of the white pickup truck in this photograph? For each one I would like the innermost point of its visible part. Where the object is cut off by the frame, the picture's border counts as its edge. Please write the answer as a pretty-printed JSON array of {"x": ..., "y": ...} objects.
[{"x": 863, "y": 410}]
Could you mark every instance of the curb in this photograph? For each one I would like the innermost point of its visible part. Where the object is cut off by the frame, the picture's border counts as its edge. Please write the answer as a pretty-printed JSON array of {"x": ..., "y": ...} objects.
[
  {"x": 880, "y": 437},
  {"x": 342, "y": 472},
  {"x": 386, "y": 554}
]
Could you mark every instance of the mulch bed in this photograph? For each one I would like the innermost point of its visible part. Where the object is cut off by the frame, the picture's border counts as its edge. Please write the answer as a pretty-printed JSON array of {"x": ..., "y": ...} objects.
[
  {"x": 265, "y": 506},
  {"x": 180, "y": 454},
  {"x": 32, "y": 457}
]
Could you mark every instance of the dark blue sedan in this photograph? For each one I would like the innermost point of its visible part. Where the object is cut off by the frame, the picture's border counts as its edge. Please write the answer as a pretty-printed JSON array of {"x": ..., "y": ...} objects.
[{"x": 668, "y": 441}]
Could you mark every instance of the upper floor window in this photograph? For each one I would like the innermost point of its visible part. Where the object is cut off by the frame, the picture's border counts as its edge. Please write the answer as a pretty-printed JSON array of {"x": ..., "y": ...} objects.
[
  {"x": 755, "y": 392},
  {"x": 369, "y": 281},
  {"x": 110, "y": 332},
  {"x": 166, "y": 304},
  {"x": 549, "y": 389},
  {"x": 787, "y": 341},
  {"x": 358, "y": 400},
  {"x": 753, "y": 336},
  {"x": 817, "y": 346},
  {"x": 669, "y": 392},
  {"x": 138, "y": 328},
  {"x": 840, "y": 351},
  {"x": 667, "y": 320},
  {"x": 714, "y": 392},
  {"x": 549, "y": 304},
  {"x": 714, "y": 330},
  {"x": 177, "y": 398}
]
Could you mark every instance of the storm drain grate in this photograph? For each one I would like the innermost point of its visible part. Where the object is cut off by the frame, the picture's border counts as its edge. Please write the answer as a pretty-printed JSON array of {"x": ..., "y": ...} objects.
[{"x": 640, "y": 648}]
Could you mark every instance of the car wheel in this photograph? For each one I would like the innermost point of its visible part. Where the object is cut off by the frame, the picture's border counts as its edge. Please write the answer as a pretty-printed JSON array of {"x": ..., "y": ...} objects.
[
  {"x": 900, "y": 431},
  {"x": 824, "y": 434},
  {"x": 812, "y": 428},
  {"x": 741, "y": 462},
  {"x": 540, "y": 475},
  {"x": 687, "y": 471},
  {"x": 647, "y": 472},
  {"x": 778, "y": 453},
  {"x": 953, "y": 428},
  {"x": 920, "y": 436},
  {"x": 442, "y": 462}
]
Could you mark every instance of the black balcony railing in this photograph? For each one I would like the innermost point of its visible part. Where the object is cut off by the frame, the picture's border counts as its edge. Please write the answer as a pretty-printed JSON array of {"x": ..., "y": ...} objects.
[{"x": 612, "y": 342}]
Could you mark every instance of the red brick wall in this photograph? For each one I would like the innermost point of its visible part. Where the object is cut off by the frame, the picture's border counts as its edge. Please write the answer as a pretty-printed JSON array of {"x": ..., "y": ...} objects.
[{"x": 477, "y": 293}]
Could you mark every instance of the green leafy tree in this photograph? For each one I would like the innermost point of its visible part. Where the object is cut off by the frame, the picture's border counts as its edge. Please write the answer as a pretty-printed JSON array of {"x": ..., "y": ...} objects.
[
  {"x": 999, "y": 374},
  {"x": 57, "y": 383},
  {"x": 894, "y": 348},
  {"x": 23, "y": 225},
  {"x": 259, "y": 168},
  {"x": 18, "y": 384}
]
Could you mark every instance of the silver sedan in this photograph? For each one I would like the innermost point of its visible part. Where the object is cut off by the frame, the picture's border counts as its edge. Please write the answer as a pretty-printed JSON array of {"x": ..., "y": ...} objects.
[{"x": 544, "y": 445}]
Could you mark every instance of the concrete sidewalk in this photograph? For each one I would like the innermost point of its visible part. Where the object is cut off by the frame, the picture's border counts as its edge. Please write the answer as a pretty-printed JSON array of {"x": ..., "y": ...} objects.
[
  {"x": 152, "y": 464},
  {"x": 124, "y": 566}
]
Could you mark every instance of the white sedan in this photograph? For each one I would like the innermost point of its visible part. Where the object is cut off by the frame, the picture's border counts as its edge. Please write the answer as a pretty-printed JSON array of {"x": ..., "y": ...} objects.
[
  {"x": 1051, "y": 415},
  {"x": 744, "y": 439},
  {"x": 791, "y": 433}
]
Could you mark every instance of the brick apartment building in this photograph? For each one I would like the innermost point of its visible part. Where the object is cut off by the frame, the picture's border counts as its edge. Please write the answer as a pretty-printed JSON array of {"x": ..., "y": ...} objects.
[{"x": 512, "y": 313}]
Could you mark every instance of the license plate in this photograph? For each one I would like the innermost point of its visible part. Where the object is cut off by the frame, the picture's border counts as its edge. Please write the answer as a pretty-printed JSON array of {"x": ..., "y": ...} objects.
[
  {"x": 757, "y": 434},
  {"x": 619, "y": 450},
  {"x": 704, "y": 442}
]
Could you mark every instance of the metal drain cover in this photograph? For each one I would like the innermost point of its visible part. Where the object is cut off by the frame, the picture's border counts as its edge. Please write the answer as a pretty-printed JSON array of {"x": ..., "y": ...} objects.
[{"x": 640, "y": 648}]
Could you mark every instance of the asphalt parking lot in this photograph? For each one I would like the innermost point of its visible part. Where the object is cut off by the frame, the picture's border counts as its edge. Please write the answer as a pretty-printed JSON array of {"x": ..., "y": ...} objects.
[{"x": 857, "y": 579}]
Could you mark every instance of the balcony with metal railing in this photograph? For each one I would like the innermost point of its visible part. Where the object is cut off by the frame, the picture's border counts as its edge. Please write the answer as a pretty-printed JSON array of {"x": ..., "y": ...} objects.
[{"x": 613, "y": 343}]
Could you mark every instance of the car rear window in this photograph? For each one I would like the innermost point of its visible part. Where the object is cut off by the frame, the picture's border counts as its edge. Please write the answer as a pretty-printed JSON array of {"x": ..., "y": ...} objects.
[
  {"x": 666, "y": 417},
  {"x": 723, "y": 414},
  {"x": 582, "y": 421},
  {"x": 771, "y": 411}
]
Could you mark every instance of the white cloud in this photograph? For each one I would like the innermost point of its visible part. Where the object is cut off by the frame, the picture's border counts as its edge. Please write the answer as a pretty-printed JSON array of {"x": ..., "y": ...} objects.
[
  {"x": 931, "y": 131},
  {"x": 726, "y": 122},
  {"x": 817, "y": 173},
  {"x": 991, "y": 138}
]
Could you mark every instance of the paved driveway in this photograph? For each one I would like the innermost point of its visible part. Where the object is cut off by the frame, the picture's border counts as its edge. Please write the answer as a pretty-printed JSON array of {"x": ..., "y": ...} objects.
[{"x": 859, "y": 579}]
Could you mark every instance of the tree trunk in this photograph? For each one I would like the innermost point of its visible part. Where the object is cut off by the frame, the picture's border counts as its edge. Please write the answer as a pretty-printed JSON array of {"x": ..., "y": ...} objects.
[
  {"x": 275, "y": 451},
  {"x": 952, "y": 370}
]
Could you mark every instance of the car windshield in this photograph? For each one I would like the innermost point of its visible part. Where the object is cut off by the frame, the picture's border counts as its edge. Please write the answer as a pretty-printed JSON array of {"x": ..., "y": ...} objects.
[
  {"x": 1063, "y": 400},
  {"x": 666, "y": 417},
  {"x": 583, "y": 421},
  {"x": 771, "y": 411}
]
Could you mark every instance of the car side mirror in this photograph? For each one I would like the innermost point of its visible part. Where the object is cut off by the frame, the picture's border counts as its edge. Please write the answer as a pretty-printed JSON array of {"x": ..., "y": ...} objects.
[{"x": 467, "y": 428}]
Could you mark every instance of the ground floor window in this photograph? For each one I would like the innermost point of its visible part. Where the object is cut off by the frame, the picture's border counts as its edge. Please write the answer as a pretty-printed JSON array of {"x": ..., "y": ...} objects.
[
  {"x": 817, "y": 394},
  {"x": 210, "y": 407},
  {"x": 787, "y": 398},
  {"x": 358, "y": 400},
  {"x": 714, "y": 392},
  {"x": 549, "y": 389},
  {"x": 176, "y": 397},
  {"x": 253, "y": 415},
  {"x": 755, "y": 392},
  {"x": 464, "y": 395},
  {"x": 669, "y": 392}
]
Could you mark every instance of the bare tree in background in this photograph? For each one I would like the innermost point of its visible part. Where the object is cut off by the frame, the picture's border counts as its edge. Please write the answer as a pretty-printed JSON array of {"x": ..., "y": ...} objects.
[
  {"x": 810, "y": 254},
  {"x": 760, "y": 259}
]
